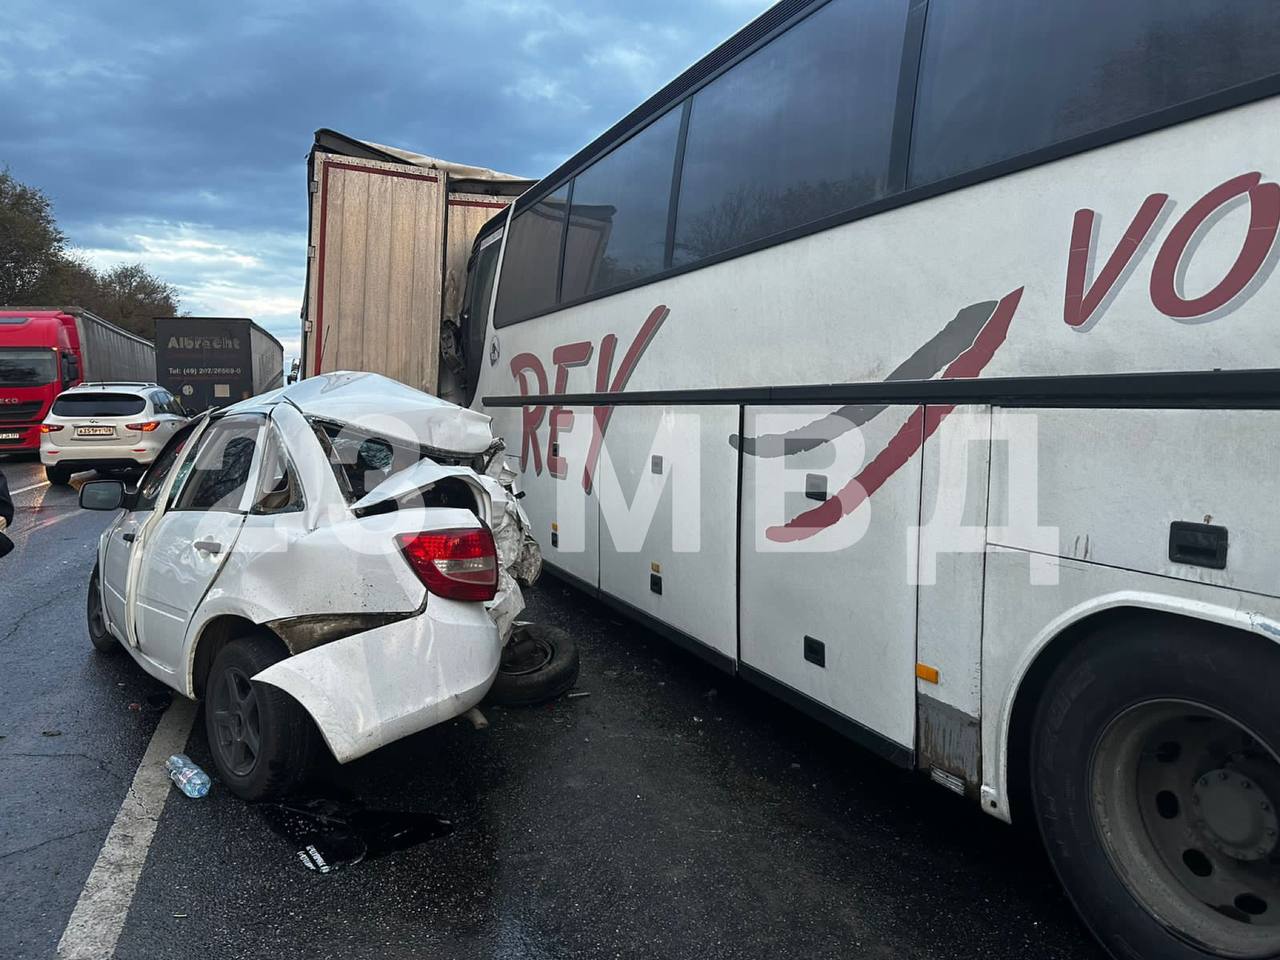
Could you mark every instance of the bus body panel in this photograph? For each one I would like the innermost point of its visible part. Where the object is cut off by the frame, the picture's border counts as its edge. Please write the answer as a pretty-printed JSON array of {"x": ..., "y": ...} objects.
[
  {"x": 1211, "y": 468},
  {"x": 668, "y": 500},
  {"x": 850, "y": 587},
  {"x": 1020, "y": 624}
]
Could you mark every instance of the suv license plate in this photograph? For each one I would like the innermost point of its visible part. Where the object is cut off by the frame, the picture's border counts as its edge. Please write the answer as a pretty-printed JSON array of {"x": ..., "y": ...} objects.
[{"x": 95, "y": 431}]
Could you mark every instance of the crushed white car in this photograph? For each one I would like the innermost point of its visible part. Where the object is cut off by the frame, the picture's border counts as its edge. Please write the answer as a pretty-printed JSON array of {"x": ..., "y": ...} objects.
[{"x": 339, "y": 556}]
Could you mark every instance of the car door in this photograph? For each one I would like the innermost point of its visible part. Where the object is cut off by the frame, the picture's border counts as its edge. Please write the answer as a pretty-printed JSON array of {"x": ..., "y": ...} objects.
[
  {"x": 123, "y": 535},
  {"x": 188, "y": 543}
]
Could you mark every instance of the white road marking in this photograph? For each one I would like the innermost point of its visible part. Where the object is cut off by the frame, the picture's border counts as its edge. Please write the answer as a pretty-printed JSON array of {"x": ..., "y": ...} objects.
[
  {"x": 99, "y": 915},
  {"x": 34, "y": 486}
]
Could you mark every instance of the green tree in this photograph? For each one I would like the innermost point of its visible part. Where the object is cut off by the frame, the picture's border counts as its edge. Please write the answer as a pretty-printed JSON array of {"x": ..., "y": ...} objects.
[
  {"x": 31, "y": 245},
  {"x": 132, "y": 297},
  {"x": 37, "y": 269}
]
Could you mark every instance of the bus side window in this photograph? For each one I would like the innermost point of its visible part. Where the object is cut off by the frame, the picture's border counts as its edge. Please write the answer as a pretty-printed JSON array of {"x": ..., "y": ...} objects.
[
  {"x": 1004, "y": 78},
  {"x": 799, "y": 130}
]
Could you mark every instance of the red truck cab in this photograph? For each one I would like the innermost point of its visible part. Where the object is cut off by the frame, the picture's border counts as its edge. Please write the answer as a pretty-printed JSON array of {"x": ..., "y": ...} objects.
[{"x": 39, "y": 358}]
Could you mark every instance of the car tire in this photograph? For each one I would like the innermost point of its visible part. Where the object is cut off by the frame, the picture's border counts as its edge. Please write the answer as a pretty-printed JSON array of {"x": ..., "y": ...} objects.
[
  {"x": 1155, "y": 777},
  {"x": 539, "y": 663},
  {"x": 103, "y": 640},
  {"x": 263, "y": 742},
  {"x": 58, "y": 476}
]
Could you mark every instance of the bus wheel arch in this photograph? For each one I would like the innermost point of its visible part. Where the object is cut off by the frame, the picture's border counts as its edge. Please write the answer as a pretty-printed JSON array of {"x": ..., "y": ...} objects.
[{"x": 1092, "y": 720}]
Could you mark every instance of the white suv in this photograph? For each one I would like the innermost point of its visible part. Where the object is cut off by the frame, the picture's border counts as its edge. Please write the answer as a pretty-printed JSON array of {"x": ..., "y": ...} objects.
[{"x": 107, "y": 426}]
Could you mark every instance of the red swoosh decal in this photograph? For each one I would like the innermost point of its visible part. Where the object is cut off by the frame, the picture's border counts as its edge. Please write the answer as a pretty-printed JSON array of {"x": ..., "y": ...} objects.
[{"x": 909, "y": 438}]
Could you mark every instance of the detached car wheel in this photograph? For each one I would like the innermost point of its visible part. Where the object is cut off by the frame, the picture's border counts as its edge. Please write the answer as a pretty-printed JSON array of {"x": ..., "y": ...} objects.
[
  {"x": 102, "y": 638},
  {"x": 262, "y": 741},
  {"x": 1156, "y": 778},
  {"x": 539, "y": 663},
  {"x": 58, "y": 476}
]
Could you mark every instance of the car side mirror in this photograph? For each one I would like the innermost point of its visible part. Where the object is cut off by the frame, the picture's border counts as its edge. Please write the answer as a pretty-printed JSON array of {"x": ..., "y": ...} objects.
[{"x": 102, "y": 495}]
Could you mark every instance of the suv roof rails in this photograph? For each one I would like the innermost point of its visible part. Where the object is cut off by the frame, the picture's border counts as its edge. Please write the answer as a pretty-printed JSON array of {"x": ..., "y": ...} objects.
[{"x": 115, "y": 383}]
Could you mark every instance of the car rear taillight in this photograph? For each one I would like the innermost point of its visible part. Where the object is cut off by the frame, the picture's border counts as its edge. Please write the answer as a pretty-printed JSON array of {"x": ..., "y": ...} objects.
[
  {"x": 457, "y": 564},
  {"x": 143, "y": 427},
  {"x": 50, "y": 427}
]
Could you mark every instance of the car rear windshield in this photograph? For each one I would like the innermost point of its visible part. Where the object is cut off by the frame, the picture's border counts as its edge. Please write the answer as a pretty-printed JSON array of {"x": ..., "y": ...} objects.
[
  {"x": 98, "y": 405},
  {"x": 362, "y": 460},
  {"x": 27, "y": 368}
]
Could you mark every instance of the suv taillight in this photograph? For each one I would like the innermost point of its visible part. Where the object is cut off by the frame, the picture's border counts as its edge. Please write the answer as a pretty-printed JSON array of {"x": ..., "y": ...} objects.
[
  {"x": 143, "y": 427},
  {"x": 456, "y": 564}
]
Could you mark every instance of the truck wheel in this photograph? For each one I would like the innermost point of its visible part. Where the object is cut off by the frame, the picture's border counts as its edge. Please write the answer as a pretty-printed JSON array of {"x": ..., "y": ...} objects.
[
  {"x": 538, "y": 664},
  {"x": 58, "y": 476},
  {"x": 263, "y": 743},
  {"x": 1155, "y": 770},
  {"x": 102, "y": 638}
]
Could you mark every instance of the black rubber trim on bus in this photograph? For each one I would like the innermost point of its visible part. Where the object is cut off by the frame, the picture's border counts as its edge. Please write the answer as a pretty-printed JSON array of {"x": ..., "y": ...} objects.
[
  {"x": 877, "y": 743},
  {"x": 1200, "y": 390}
]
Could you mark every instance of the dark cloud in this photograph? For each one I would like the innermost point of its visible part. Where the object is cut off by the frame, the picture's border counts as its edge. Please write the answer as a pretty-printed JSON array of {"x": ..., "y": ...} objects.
[{"x": 137, "y": 118}]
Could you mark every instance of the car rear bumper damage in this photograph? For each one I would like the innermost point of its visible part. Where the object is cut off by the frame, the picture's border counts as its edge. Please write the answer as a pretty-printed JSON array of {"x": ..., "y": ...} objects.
[{"x": 367, "y": 690}]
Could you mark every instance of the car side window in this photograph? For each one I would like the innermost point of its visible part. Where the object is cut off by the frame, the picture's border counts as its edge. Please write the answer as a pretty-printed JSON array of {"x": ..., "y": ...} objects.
[
  {"x": 153, "y": 480},
  {"x": 219, "y": 471},
  {"x": 279, "y": 488}
]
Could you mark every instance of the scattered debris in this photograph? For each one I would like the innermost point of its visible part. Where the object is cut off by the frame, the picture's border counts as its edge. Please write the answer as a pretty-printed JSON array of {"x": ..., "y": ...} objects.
[
  {"x": 331, "y": 834},
  {"x": 180, "y": 916},
  {"x": 190, "y": 779},
  {"x": 159, "y": 701},
  {"x": 50, "y": 733},
  {"x": 579, "y": 693},
  {"x": 135, "y": 707}
]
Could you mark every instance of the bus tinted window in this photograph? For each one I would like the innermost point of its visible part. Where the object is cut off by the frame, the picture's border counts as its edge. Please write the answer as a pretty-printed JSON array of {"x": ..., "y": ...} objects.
[
  {"x": 797, "y": 131},
  {"x": 1005, "y": 77},
  {"x": 531, "y": 264},
  {"x": 618, "y": 224}
]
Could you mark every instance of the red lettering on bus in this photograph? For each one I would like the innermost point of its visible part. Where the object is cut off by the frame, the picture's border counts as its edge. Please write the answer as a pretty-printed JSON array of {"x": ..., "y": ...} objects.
[
  {"x": 565, "y": 356},
  {"x": 1079, "y": 304},
  {"x": 521, "y": 365},
  {"x": 1264, "y": 220},
  {"x": 630, "y": 359}
]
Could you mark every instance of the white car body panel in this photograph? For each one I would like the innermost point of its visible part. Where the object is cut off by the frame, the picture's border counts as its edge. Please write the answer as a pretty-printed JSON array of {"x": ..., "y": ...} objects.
[
  {"x": 370, "y": 689},
  {"x": 437, "y": 657}
]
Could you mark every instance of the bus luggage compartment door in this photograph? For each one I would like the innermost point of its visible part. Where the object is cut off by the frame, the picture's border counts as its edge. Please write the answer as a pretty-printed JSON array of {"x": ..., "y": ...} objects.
[{"x": 825, "y": 556}]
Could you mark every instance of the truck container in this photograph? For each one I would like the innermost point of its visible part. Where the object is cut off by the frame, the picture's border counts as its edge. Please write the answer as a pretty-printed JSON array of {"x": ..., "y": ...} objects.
[
  {"x": 390, "y": 234},
  {"x": 45, "y": 350},
  {"x": 216, "y": 361}
]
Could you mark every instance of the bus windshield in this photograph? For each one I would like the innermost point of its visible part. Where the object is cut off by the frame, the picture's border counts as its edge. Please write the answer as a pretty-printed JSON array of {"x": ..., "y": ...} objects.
[{"x": 31, "y": 367}]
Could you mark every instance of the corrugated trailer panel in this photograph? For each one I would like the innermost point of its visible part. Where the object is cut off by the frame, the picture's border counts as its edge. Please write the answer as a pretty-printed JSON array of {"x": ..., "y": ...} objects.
[
  {"x": 111, "y": 353},
  {"x": 376, "y": 294}
]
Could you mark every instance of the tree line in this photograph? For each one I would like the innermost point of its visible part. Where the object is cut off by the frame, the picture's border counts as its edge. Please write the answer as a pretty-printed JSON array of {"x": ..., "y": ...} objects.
[{"x": 38, "y": 269}]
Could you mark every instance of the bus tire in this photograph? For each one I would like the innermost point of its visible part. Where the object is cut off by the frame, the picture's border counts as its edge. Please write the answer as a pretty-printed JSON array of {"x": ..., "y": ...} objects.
[
  {"x": 539, "y": 663},
  {"x": 1155, "y": 775},
  {"x": 57, "y": 476}
]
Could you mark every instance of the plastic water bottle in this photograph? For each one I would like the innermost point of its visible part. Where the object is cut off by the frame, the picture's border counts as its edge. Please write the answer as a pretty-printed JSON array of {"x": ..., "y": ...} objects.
[{"x": 190, "y": 779}]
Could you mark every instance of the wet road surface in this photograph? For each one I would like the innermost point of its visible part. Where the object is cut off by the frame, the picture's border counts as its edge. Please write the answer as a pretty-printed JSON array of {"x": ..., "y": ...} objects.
[{"x": 673, "y": 812}]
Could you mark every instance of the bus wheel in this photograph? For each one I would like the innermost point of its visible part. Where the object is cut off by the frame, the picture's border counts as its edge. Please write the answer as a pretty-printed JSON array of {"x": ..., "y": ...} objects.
[{"x": 1156, "y": 780}]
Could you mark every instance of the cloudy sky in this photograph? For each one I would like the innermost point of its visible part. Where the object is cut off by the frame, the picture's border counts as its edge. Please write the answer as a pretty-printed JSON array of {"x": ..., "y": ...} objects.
[{"x": 176, "y": 134}]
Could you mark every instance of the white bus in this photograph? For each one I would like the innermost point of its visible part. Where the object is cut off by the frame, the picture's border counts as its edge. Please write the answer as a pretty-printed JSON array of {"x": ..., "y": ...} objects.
[{"x": 919, "y": 362}]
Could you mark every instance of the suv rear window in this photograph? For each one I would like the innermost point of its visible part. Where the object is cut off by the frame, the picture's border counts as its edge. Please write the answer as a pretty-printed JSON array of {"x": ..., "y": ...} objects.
[{"x": 98, "y": 405}]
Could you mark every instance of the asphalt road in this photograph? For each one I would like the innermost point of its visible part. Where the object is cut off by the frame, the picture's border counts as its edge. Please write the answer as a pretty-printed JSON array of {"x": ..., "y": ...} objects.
[{"x": 671, "y": 813}]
